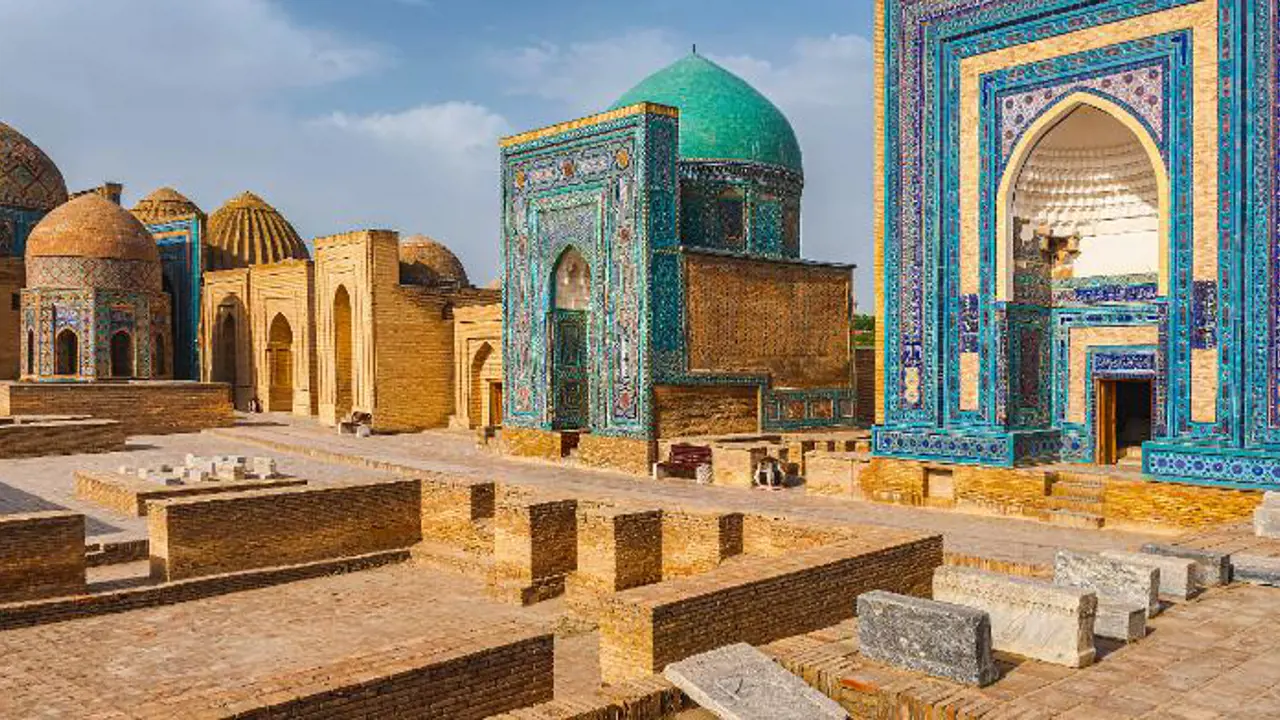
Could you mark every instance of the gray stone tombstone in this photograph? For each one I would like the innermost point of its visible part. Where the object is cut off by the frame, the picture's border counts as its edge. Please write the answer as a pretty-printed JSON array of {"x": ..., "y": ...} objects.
[
  {"x": 1115, "y": 581},
  {"x": 1256, "y": 569},
  {"x": 1266, "y": 518},
  {"x": 1178, "y": 576},
  {"x": 941, "y": 639},
  {"x": 1214, "y": 567},
  {"x": 738, "y": 682}
]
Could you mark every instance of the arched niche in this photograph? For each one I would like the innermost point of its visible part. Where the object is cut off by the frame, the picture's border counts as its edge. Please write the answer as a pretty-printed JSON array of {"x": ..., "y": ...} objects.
[
  {"x": 122, "y": 354},
  {"x": 1088, "y": 183},
  {"x": 280, "y": 365},
  {"x": 343, "y": 353}
]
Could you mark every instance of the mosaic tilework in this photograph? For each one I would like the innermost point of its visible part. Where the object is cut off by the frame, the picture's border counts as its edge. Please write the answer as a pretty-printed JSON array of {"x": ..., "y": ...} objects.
[{"x": 180, "y": 244}]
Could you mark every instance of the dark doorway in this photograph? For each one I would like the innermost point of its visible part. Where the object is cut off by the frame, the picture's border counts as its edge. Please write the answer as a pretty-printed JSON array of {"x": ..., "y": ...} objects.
[
  {"x": 66, "y": 353},
  {"x": 122, "y": 355},
  {"x": 1124, "y": 420}
]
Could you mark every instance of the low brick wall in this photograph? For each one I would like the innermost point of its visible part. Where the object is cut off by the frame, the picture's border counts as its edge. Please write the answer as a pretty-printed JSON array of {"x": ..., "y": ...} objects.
[
  {"x": 628, "y": 455},
  {"x": 772, "y": 536},
  {"x": 834, "y": 473},
  {"x": 465, "y": 676},
  {"x": 30, "y": 437},
  {"x": 129, "y": 495},
  {"x": 694, "y": 543},
  {"x": 451, "y": 508},
  {"x": 618, "y": 549},
  {"x": 758, "y": 600},
  {"x": 267, "y": 528},
  {"x": 142, "y": 408},
  {"x": 530, "y": 442},
  {"x": 535, "y": 545},
  {"x": 1183, "y": 506},
  {"x": 41, "y": 555}
]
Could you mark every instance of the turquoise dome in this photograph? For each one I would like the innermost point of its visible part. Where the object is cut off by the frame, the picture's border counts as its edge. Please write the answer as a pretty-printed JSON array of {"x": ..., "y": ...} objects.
[{"x": 721, "y": 116}]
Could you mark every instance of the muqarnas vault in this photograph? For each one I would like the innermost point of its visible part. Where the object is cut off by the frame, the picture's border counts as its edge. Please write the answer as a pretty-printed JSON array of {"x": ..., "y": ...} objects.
[{"x": 1076, "y": 235}]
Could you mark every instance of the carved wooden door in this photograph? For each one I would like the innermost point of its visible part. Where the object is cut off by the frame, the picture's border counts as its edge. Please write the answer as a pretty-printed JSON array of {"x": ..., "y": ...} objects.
[{"x": 569, "y": 369}]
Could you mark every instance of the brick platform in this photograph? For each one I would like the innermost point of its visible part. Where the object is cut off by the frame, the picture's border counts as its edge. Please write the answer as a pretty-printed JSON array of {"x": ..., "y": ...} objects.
[
  {"x": 142, "y": 407},
  {"x": 130, "y": 495},
  {"x": 265, "y": 528},
  {"x": 39, "y": 435}
]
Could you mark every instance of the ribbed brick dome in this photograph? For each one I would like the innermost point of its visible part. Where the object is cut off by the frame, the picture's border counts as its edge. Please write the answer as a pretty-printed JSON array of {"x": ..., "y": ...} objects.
[
  {"x": 247, "y": 231},
  {"x": 28, "y": 178},
  {"x": 164, "y": 205},
  {"x": 91, "y": 226},
  {"x": 424, "y": 261}
]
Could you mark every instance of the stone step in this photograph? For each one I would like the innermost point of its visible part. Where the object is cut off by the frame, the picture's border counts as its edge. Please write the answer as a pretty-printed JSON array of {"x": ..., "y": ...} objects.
[
  {"x": 1075, "y": 519},
  {"x": 451, "y": 558},
  {"x": 1075, "y": 503}
]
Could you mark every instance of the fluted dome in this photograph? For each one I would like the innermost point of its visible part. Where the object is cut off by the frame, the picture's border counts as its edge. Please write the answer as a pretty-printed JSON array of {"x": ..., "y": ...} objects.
[
  {"x": 164, "y": 205},
  {"x": 722, "y": 117},
  {"x": 91, "y": 226},
  {"x": 424, "y": 261},
  {"x": 28, "y": 178},
  {"x": 247, "y": 231}
]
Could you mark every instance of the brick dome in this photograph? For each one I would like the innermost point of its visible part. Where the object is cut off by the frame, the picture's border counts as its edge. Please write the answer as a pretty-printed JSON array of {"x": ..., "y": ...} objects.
[
  {"x": 164, "y": 205},
  {"x": 91, "y": 226},
  {"x": 247, "y": 231},
  {"x": 424, "y": 261},
  {"x": 28, "y": 178}
]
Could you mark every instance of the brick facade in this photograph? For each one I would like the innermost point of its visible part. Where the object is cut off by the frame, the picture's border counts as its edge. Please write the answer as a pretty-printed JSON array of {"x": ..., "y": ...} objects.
[
  {"x": 41, "y": 555},
  {"x": 141, "y": 407},
  {"x": 36, "y": 436},
  {"x": 689, "y": 410}
]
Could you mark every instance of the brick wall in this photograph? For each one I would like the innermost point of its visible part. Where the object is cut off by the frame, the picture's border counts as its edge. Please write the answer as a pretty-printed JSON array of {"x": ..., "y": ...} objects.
[
  {"x": 834, "y": 473},
  {"x": 694, "y": 543},
  {"x": 618, "y": 549},
  {"x": 143, "y": 408},
  {"x": 788, "y": 319},
  {"x": 60, "y": 437},
  {"x": 689, "y": 410},
  {"x": 466, "y": 676},
  {"x": 772, "y": 536},
  {"x": 130, "y": 495},
  {"x": 451, "y": 509},
  {"x": 757, "y": 600},
  {"x": 1183, "y": 506},
  {"x": 630, "y": 455},
  {"x": 284, "y": 289},
  {"x": 266, "y": 528},
  {"x": 535, "y": 544},
  {"x": 41, "y": 555},
  {"x": 864, "y": 362},
  {"x": 530, "y": 442}
]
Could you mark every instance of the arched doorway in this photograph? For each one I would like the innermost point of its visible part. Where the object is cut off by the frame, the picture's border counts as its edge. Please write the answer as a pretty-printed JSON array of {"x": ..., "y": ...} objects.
[
  {"x": 31, "y": 352},
  {"x": 1085, "y": 201},
  {"x": 66, "y": 353},
  {"x": 344, "y": 387},
  {"x": 476, "y": 386},
  {"x": 159, "y": 358},
  {"x": 224, "y": 353},
  {"x": 280, "y": 365},
  {"x": 570, "y": 386},
  {"x": 122, "y": 354}
]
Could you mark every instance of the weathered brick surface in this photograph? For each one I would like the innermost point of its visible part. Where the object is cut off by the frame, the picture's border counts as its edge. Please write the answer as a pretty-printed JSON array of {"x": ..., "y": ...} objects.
[
  {"x": 690, "y": 410},
  {"x": 452, "y": 508},
  {"x": 758, "y": 600},
  {"x": 773, "y": 536},
  {"x": 1185, "y": 506},
  {"x": 618, "y": 549},
  {"x": 142, "y": 408},
  {"x": 130, "y": 495},
  {"x": 528, "y": 442},
  {"x": 693, "y": 543},
  {"x": 834, "y": 473},
  {"x": 535, "y": 545},
  {"x": 41, "y": 555},
  {"x": 735, "y": 464},
  {"x": 36, "y": 437},
  {"x": 618, "y": 453},
  {"x": 266, "y": 528}
]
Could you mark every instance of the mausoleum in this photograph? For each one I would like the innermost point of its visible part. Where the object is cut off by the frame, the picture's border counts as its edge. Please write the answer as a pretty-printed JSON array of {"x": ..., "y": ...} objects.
[{"x": 1076, "y": 236}]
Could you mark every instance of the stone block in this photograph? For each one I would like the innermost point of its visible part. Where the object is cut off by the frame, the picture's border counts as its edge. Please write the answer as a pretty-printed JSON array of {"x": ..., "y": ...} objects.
[
  {"x": 264, "y": 467},
  {"x": 1114, "y": 581},
  {"x": 738, "y": 682},
  {"x": 1028, "y": 618},
  {"x": 192, "y": 475},
  {"x": 1117, "y": 621},
  {"x": 229, "y": 471},
  {"x": 1266, "y": 519},
  {"x": 1256, "y": 569},
  {"x": 1214, "y": 567},
  {"x": 941, "y": 639},
  {"x": 1177, "y": 575}
]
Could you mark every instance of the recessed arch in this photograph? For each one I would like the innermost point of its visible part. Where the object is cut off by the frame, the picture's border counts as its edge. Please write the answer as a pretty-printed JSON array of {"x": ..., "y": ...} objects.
[
  {"x": 280, "y": 364},
  {"x": 121, "y": 348},
  {"x": 1027, "y": 145},
  {"x": 570, "y": 333},
  {"x": 160, "y": 359},
  {"x": 343, "y": 353},
  {"x": 66, "y": 353},
  {"x": 31, "y": 352},
  {"x": 571, "y": 281}
]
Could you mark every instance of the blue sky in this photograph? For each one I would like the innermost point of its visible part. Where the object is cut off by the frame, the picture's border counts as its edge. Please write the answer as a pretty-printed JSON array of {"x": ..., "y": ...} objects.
[{"x": 385, "y": 113}]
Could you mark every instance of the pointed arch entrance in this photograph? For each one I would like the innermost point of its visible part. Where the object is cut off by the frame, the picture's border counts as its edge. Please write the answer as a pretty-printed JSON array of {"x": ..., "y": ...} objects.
[
  {"x": 280, "y": 365},
  {"x": 571, "y": 300},
  {"x": 1088, "y": 182},
  {"x": 224, "y": 353},
  {"x": 343, "y": 354},
  {"x": 122, "y": 354},
  {"x": 66, "y": 353}
]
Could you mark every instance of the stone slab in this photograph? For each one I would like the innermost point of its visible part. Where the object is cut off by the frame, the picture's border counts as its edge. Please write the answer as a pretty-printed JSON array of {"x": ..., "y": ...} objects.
[
  {"x": 1115, "y": 582},
  {"x": 738, "y": 682},
  {"x": 1028, "y": 618},
  {"x": 1266, "y": 520},
  {"x": 1214, "y": 567},
  {"x": 1256, "y": 569},
  {"x": 941, "y": 639},
  {"x": 1117, "y": 621},
  {"x": 1177, "y": 575}
]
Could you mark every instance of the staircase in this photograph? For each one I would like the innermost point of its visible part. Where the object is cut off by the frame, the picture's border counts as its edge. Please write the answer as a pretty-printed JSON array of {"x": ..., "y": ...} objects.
[{"x": 1075, "y": 500}]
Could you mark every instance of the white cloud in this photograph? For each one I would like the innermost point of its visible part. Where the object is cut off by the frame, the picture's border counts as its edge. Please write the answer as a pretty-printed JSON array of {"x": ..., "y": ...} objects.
[{"x": 453, "y": 128}]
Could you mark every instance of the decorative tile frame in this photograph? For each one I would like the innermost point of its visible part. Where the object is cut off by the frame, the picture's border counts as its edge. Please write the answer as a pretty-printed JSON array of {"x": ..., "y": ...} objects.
[{"x": 181, "y": 258}]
